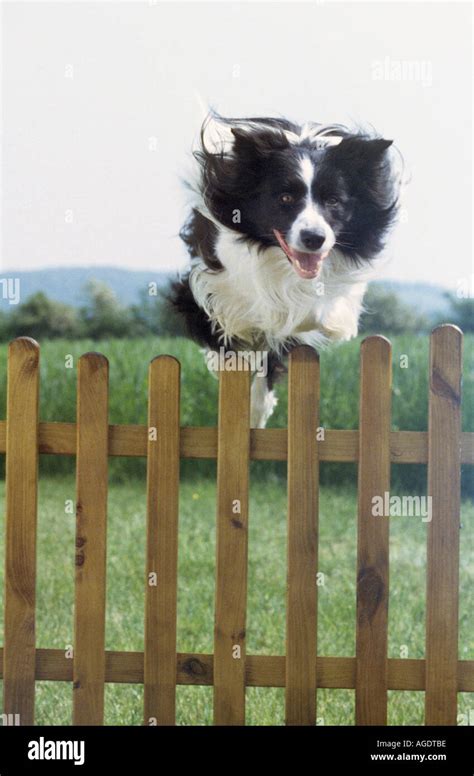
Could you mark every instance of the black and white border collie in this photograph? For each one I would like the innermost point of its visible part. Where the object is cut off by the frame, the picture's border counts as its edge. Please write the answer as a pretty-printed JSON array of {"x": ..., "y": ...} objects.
[{"x": 285, "y": 222}]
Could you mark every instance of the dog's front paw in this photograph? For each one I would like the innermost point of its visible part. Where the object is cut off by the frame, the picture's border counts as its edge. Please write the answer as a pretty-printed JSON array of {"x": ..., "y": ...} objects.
[
  {"x": 341, "y": 323},
  {"x": 262, "y": 402}
]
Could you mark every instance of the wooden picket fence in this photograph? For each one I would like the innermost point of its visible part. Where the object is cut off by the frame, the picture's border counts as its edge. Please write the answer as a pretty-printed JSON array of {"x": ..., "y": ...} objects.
[{"x": 301, "y": 671}]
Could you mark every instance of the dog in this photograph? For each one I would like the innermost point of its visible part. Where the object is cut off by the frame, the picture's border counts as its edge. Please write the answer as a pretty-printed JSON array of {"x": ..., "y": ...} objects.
[{"x": 285, "y": 223}]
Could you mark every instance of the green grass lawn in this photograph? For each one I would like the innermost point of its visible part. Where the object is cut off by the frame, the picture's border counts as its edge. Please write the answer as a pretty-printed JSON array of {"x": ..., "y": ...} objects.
[{"x": 266, "y": 600}]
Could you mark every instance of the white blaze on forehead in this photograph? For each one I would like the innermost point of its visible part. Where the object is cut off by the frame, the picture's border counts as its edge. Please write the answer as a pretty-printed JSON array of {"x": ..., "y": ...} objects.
[
  {"x": 307, "y": 172},
  {"x": 310, "y": 217}
]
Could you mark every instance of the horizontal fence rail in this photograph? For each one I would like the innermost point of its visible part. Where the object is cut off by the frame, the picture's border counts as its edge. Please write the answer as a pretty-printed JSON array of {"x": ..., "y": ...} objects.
[
  {"x": 269, "y": 444},
  {"x": 301, "y": 671},
  {"x": 336, "y": 673}
]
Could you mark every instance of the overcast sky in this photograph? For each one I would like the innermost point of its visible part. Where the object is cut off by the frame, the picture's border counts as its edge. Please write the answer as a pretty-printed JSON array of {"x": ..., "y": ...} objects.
[{"x": 99, "y": 110}]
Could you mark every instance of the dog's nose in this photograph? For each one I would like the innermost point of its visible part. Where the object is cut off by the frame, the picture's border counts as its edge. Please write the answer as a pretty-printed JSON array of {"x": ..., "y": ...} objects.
[{"x": 311, "y": 239}]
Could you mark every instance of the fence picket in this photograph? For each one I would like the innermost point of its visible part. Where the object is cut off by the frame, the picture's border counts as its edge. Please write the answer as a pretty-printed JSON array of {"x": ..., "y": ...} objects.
[
  {"x": 302, "y": 542},
  {"x": 444, "y": 486},
  {"x": 160, "y": 661},
  {"x": 231, "y": 551},
  {"x": 91, "y": 534},
  {"x": 21, "y": 515},
  {"x": 373, "y": 532}
]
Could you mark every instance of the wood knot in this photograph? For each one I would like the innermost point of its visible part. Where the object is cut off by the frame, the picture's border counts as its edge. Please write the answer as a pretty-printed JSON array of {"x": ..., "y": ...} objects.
[
  {"x": 193, "y": 667},
  {"x": 237, "y": 523},
  {"x": 370, "y": 592},
  {"x": 79, "y": 559},
  {"x": 442, "y": 388}
]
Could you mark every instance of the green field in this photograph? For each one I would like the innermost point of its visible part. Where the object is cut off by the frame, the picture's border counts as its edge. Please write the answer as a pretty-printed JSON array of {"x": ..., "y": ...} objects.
[{"x": 267, "y": 551}]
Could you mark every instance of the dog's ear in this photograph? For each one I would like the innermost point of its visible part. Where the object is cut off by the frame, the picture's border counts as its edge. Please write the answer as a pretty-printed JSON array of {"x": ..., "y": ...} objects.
[
  {"x": 223, "y": 137},
  {"x": 377, "y": 146},
  {"x": 360, "y": 149},
  {"x": 365, "y": 161},
  {"x": 259, "y": 141}
]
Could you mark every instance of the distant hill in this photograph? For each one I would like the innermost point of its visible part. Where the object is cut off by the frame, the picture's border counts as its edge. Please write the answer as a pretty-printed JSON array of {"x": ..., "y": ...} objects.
[
  {"x": 426, "y": 297},
  {"x": 67, "y": 284}
]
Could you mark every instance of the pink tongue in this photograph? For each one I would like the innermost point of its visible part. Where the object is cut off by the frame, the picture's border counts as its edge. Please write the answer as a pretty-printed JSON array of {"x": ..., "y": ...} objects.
[
  {"x": 308, "y": 261},
  {"x": 306, "y": 264}
]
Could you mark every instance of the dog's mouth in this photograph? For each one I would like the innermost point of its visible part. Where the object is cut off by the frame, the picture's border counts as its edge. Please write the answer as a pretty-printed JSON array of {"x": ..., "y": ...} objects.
[{"x": 307, "y": 265}]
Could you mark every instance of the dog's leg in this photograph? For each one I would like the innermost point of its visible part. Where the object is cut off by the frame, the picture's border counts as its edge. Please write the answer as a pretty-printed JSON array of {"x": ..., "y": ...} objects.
[{"x": 262, "y": 402}]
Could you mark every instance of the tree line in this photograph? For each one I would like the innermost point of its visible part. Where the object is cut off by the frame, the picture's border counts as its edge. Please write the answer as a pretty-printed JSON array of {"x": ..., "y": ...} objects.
[{"x": 102, "y": 315}]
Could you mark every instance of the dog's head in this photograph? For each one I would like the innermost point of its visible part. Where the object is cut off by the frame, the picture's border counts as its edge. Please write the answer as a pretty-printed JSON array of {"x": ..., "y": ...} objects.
[{"x": 305, "y": 189}]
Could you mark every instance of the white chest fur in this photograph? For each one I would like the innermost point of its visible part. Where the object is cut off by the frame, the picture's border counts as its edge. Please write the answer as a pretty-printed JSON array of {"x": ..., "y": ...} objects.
[{"x": 259, "y": 299}]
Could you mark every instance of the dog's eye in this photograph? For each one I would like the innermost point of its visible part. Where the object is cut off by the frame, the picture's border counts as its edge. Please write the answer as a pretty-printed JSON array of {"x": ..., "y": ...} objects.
[
  {"x": 332, "y": 201},
  {"x": 286, "y": 199}
]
